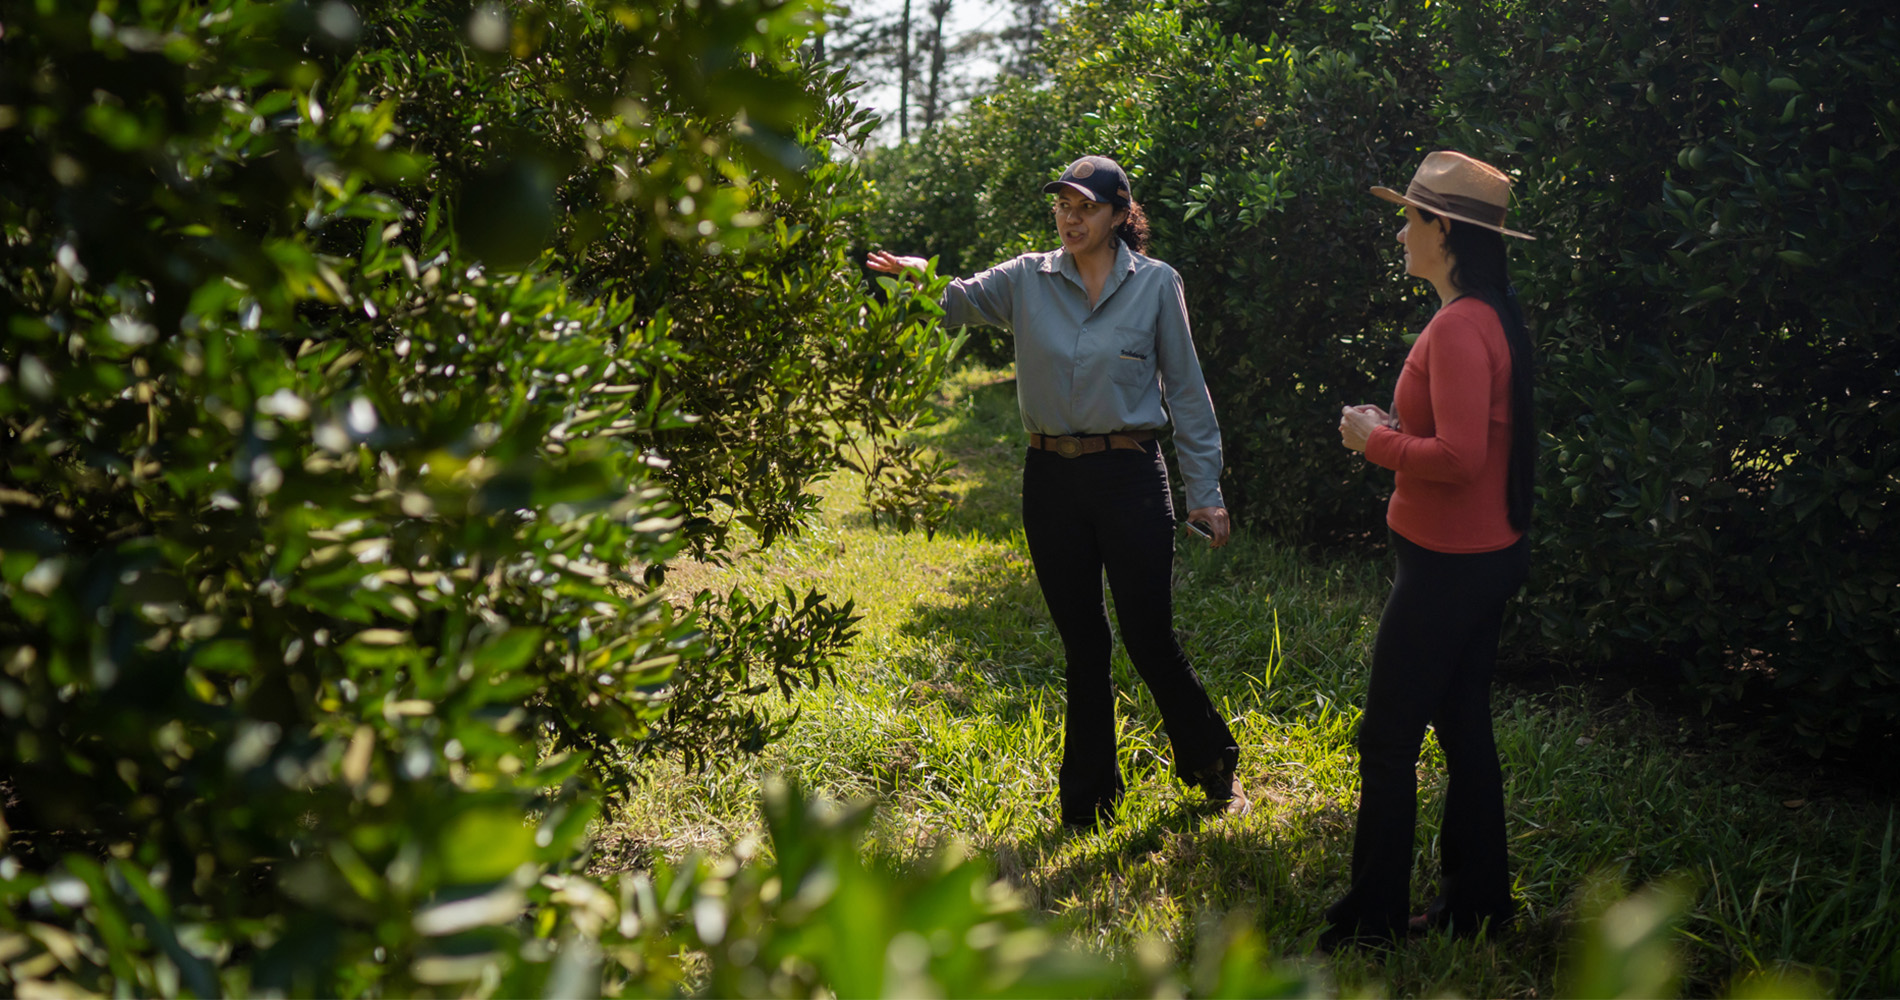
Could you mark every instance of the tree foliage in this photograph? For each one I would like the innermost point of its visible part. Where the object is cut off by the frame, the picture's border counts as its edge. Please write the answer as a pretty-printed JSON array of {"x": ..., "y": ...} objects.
[
  {"x": 364, "y": 368},
  {"x": 1712, "y": 292},
  {"x": 1719, "y": 311}
]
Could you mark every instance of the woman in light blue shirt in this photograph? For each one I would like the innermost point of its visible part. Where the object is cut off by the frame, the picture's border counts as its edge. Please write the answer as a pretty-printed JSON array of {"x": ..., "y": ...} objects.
[{"x": 1104, "y": 359}]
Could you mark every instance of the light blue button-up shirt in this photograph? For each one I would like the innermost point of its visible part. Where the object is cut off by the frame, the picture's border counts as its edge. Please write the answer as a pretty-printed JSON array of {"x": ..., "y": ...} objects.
[{"x": 1083, "y": 371}]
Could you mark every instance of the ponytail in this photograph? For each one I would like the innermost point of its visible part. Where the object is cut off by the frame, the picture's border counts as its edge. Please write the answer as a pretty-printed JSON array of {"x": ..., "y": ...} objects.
[{"x": 1134, "y": 228}]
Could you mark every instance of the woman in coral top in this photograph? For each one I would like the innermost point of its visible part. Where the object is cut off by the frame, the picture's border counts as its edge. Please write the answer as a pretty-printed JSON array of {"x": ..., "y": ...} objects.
[{"x": 1459, "y": 440}]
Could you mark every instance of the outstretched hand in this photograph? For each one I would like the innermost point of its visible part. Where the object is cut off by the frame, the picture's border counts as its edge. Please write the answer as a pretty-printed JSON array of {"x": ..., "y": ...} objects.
[{"x": 890, "y": 263}]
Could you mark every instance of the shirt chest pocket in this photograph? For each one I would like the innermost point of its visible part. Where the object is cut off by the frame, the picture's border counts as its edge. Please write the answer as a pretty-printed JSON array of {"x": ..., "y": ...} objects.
[{"x": 1134, "y": 362}]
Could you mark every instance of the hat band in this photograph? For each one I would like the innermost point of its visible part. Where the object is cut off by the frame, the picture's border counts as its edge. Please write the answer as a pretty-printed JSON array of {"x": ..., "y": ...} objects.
[{"x": 1481, "y": 212}]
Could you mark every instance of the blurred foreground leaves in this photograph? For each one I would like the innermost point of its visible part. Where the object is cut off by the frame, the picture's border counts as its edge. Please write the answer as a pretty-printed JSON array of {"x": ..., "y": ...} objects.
[
  {"x": 364, "y": 367},
  {"x": 801, "y": 915}
]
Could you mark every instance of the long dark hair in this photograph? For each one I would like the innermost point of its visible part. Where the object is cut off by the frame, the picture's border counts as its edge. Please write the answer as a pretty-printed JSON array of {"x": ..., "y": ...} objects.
[
  {"x": 1134, "y": 229},
  {"x": 1478, "y": 270}
]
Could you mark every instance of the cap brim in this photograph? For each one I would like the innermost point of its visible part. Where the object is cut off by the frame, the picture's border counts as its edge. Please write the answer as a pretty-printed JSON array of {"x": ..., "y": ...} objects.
[
  {"x": 1057, "y": 187},
  {"x": 1398, "y": 199}
]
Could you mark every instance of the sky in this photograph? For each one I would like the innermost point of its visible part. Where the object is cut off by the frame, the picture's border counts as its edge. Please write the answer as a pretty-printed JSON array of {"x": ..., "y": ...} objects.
[{"x": 965, "y": 16}]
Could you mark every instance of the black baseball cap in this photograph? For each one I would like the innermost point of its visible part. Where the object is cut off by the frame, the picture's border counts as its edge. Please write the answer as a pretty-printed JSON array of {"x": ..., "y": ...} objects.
[{"x": 1096, "y": 178}]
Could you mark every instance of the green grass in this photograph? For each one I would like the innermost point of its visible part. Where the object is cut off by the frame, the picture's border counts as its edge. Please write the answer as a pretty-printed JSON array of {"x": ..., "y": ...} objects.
[{"x": 949, "y": 710}]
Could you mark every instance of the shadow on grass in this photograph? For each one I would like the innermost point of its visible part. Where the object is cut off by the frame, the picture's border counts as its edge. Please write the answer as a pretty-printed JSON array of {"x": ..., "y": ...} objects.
[
  {"x": 994, "y": 634},
  {"x": 993, "y": 646},
  {"x": 1280, "y": 865}
]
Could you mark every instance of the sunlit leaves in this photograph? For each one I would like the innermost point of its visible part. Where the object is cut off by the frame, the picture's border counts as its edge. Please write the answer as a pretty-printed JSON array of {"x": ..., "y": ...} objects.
[{"x": 350, "y": 408}]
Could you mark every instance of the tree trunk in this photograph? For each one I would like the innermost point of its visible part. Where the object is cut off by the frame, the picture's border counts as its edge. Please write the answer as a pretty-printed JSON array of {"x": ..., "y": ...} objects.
[
  {"x": 1024, "y": 38},
  {"x": 933, "y": 97},
  {"x": 903, "y": 75}
]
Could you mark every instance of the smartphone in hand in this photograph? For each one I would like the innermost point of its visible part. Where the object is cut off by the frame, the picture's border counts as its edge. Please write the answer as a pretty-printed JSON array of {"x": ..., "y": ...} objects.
[{"x": 1198, "y": 528}]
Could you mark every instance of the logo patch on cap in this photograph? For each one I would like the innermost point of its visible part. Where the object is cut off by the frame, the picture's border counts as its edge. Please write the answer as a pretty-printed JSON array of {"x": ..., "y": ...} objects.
[{"x": 1083, "y": 169}]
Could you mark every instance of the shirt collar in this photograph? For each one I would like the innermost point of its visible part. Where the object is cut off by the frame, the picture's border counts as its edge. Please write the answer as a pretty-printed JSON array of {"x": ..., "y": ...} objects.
[{"x": 1063, "y": 262}]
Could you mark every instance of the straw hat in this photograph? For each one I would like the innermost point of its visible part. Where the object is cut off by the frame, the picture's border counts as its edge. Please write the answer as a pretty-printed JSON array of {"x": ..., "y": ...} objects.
[{"x": 1459, "y": 187}]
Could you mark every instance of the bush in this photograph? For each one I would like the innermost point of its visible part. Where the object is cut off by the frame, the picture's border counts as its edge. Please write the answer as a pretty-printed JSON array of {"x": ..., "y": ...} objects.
[
  {"x": 364, "y": 369},
  {"x": 1716, "y": 301},
  {"x": 1711, "y": 294}
]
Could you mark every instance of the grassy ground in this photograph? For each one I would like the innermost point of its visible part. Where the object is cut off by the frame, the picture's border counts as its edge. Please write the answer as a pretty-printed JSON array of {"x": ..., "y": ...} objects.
[{"x": 949, "y": 709}]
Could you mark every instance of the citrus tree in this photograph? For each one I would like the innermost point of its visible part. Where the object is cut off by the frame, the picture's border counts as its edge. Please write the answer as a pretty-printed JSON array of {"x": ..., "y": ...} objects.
[{"x": 364, "y": 368}]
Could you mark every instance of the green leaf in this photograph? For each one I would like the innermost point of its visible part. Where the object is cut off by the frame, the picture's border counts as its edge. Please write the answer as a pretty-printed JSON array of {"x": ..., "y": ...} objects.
[
  {"x": 484, "y": 843},
  {"x": 509, "y": 651}
]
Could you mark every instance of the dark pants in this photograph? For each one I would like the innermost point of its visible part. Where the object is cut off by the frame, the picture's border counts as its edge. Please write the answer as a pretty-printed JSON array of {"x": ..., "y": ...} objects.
[
  {"x": 1111, "y": 512},
  {"x": 1432, "y": 663}
]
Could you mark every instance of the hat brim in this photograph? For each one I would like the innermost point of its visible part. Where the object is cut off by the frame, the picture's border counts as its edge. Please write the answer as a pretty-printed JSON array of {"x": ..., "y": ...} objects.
[
  {"x": 1398, "y": 199},
  {"x": 1057, "y": 187}
]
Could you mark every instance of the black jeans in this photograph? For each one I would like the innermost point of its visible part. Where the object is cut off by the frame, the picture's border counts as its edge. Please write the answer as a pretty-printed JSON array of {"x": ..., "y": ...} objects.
[
  {"x": 1432, "y": 663},
  {"x": 1111, "y": 512}
]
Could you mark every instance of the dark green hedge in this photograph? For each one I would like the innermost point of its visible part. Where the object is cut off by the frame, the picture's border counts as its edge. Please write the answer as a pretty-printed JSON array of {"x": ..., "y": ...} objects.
[
  {"x": 1722, "y": 330},
  {"x": 1713, "y": 293}
]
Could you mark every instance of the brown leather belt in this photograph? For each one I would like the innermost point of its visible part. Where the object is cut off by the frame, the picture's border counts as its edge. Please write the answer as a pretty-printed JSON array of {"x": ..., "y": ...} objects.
[{"x": 1072, "y": 445}]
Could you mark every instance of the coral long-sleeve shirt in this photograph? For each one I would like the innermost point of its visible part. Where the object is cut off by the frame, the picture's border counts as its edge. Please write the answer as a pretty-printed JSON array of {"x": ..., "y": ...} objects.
[{"x": 1453, "y": 449}]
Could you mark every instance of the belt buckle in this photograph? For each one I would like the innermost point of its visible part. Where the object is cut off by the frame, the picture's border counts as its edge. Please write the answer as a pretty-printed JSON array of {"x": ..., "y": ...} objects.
[{"x": 1068, "y": 447}]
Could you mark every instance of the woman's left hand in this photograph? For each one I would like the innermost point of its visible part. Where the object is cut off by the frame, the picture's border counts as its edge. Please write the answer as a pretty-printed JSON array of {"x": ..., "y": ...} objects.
[
  {"x": 1356, "y": 424},
  {"x": 890, "y": 263},
  {"x": 1215, "y": 520}
]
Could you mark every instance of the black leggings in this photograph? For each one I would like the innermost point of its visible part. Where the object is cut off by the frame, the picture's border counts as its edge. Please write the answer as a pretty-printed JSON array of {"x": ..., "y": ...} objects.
[
  {"x": 1111, "y": 512},
  {"x": 1437, "y": 644}
]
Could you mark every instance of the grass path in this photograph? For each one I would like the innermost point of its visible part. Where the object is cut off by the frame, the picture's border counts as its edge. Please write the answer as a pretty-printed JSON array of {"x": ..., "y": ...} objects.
[{"x": 949, "y": 709}]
